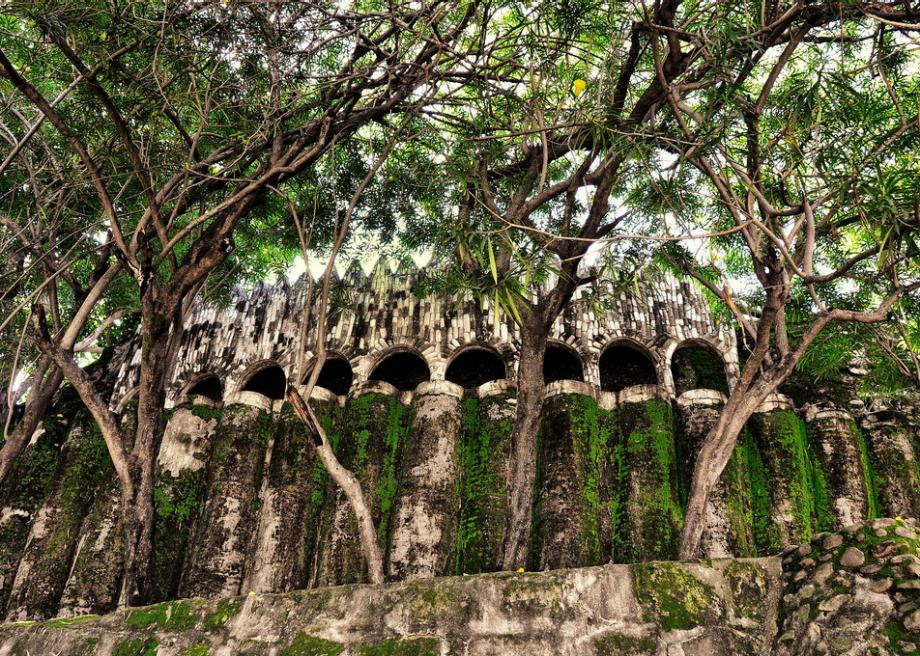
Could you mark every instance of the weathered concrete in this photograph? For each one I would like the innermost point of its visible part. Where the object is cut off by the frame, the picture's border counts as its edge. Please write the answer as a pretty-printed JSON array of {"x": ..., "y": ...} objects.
[
  {"x": 895, "y": 466},
  {"x": 424, "y": 524},
  {"x": 719, "y": 609},
  {"x": 216, "y": 565}
]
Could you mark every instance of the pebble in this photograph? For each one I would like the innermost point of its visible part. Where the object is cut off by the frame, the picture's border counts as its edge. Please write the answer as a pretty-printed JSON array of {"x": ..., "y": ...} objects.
[
  {"x": 832, "y": 541},
  {"x": 852, "y": 557},
  {"x": 912, "y": 622},
  {"x": 881, "y": 585}
]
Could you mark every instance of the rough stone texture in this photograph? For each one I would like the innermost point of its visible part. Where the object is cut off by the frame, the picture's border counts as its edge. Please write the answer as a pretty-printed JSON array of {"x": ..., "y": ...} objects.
[
  {"x": 372, "y": 438},
  {"x": 424, "y": 525},
  {"x": 728, "y": 515},
  {"x": 839, "y": 449},
  {"x": 281, "y": 554},
  {"x": 648, "y": 512},
  {"x": 216, "y": 564},
  {"x": 719, "y": 609},
  {"x": 24, "y": 490},
  {"x": 853, "y": 593},
  {"x": 897, "y": 474},
  {"x": 488, "y": 422},
  {"x": 48, "y": 553}
]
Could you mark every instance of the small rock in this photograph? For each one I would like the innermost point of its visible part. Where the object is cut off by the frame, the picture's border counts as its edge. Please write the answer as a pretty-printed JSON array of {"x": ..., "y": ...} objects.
[
  {"x": 908, "y": 585},
  {"x": 826, "y": 557},
  {"x": 904, "y": 532},
  {"x": 870, "y": 569},
  {"x": 801, "y": 574},
  {"x": 804, "y": 550},
  {"x": 905, "y": 559},
  {"x": 912, "y": 622},
  {"x": 881, "y": 585},
  {"x": 852, "y": 528},
  {"x": 807, "y": 562},
  {"x": 907, "y": 647},
  {"x": 880, "y": 532},
  {"x": 852, "y": 557},
  {"x": 807, "y": 591},
  {"x": 832, "y": 541},
  {"x": 823, "y": 573},
  {"x": 884, "y": 522}
]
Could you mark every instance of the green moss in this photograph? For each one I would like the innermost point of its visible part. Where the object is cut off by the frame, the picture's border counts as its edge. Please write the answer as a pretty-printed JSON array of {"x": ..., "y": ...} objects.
[
  {"x": 415, "y": 647},
  {"x": 538, "y": 590},
  {"x": 136, "y": 647},
  {"x": 199, "y": 649},
  {"x": 739, "y": 501},
  {"x": 397, "y": 426},
  {"x": 226, "y": 608},
  {"x": 897, "y": 635},
  {"x": 169, "y": 615},
  {"x": 484, "y": 448},
  {"x": 748, "y": 583},
  {"x": 869, "y": 477},
  {"x": 672, "y": 596},
  {"x": 623, "y": 645},
  {"x": 204, "y": 411},
  {"x": 307, "y": 645},
  {"x": 60, "y": 622}
]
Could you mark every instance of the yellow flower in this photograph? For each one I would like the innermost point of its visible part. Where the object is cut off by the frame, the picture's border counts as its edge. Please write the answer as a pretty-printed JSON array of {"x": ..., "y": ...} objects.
[
  {"x": 578, "y": 87},
  {"x": 520, "y": 570}
]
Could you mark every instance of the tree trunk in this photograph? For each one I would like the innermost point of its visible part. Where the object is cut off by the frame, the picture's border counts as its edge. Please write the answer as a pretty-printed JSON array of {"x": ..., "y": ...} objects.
[
  {"x": 522, "y": 472},
  {"x": 43, "y": 391},
  {"x": 714, "y": 455}
]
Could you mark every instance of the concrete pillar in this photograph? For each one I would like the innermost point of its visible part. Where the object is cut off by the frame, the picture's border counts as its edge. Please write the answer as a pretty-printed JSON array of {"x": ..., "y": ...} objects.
[
  {"x": 573, "y": 448},
  {"x": 894, "y": 464},
  {"x": 425, "y": 521},
  {"x": 488, "y": 421},
  {"x": 216, "y": 561},
  {"x": 374, "y": 427},
  {"x": 49, "y": 550},
  {"x": 728, "y": 529},
  {"x": 840, "y": 468},
  {"x": 649, "y": 514}
]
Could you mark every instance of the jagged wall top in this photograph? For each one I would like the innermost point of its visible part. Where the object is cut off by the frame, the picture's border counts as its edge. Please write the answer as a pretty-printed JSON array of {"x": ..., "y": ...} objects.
[{"x": 385, "y": 316}]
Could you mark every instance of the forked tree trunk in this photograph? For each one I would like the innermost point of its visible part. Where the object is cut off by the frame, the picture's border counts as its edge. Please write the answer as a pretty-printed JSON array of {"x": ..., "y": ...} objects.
[{"x": 522, "y": 473}]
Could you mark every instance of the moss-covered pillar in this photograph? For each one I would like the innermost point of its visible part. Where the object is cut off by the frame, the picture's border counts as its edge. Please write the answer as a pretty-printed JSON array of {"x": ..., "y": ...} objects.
[
  {"x": 374, "y": 427},
  {"x": 894, "y": 465},
  {"x": 25, "y": 488},
  {"x": 425, "y": 520},
  {"x": 280, "y": 558},
  {"x": 573, "y": 446},
  {"x": 779, "y": 462},
  {"x": 841, "y": 467},
  {"x": 485, "y": 448},
  {"x": 217, "y": 554},
  {"x": 48, "y": 553},
  {"x": 651, "y": 521},
  {"x": 181, "y": 490},
  {"x": 729, "y": 531},
  {"x": 95, "y": 576}
]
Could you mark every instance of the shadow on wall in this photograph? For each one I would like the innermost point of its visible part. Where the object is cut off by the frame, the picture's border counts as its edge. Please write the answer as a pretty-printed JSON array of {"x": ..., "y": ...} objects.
[
  {"x": 561, "y": 363},
  {"x": 269, "y": 381},
  {"x": 404, "y": 370},
  {"x": 695, "y": 366},
  {"x": 624, "y": 365},
  {"x": 474, "y": 367}
]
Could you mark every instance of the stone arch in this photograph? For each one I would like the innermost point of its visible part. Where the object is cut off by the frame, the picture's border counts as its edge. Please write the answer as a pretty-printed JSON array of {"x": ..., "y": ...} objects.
[
  {"x": 402, "y": 368},
  {"x": 207, "y": 385},
  {"x": 697, "y": 364},
  {"x": 336, "y": 375},
  {"x": 267, "y": 379},
  {"x": 562, "y": 362},
  {"x": 475, "y": 365},
  {"x": 625, "y": 363}
]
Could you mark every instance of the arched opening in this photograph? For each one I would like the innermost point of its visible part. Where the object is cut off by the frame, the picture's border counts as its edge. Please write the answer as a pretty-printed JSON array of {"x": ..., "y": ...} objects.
[
  {"x": 335, "y": 376},
  {"x": 404, "y": 370},
  {"x": 623, "y": 365},
  {"x": 560, "y": 363},
  {"x": 694, "y": 366},
  {"x": 269, "y": 382},
  {"x": 474, "y": 367},
  {"x": 209, "y": 387}
]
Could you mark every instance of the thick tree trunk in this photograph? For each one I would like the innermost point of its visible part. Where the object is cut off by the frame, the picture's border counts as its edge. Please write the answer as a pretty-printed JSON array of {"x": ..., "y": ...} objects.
[
  {"x": 523, "y": 470},
  {"x": 43, "y": 391}
]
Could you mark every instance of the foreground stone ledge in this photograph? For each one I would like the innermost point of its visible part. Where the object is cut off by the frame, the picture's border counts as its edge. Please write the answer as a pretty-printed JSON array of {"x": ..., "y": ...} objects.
[{"x": 715, "y": 608}]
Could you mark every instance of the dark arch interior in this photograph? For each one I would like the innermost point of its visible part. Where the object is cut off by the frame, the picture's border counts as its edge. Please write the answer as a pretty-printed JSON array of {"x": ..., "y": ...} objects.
[
  {"x": 209, "y": 387},
  {"x": 559, "y": 363},
  {"x": 697, "y": 367},
  {"x": 623, "y": 366},
  {"x": 403, "y": 370},
  {"x": 335, "y": 376},
  {"x": 269, "y": 381},
  {"x": 475, "y": 367}
]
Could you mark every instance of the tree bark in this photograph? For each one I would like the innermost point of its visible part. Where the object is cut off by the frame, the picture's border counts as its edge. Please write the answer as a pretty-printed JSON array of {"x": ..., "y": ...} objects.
[{"x": 522, "y": 473}]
